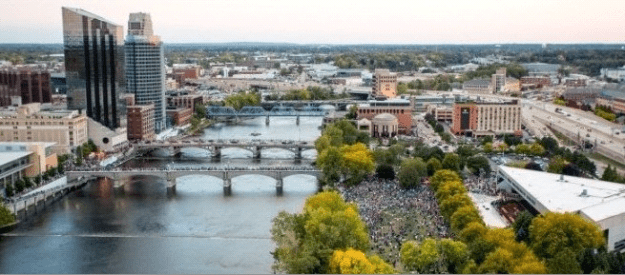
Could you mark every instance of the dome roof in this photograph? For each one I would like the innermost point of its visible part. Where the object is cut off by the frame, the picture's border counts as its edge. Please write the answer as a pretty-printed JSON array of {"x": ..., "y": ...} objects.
[{"x": 385, "y": 117}]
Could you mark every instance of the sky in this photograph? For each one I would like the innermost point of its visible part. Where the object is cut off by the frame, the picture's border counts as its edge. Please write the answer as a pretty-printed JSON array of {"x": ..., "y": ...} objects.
[{"x": 335, "y": 21}]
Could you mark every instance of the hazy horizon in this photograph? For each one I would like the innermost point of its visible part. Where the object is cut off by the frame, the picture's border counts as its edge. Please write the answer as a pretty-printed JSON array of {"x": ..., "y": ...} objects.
[{"x": 326, "y": 22}]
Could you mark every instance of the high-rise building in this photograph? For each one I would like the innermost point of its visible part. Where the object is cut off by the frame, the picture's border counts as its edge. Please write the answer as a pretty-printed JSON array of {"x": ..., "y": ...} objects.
[
  {"x": 29, "y": 85},
  {"x": 145, "y": 66},
  {"x": 498, "y": 80},
  {"x": 94, "y": 62},
  {"x": 384, "y": 84}
]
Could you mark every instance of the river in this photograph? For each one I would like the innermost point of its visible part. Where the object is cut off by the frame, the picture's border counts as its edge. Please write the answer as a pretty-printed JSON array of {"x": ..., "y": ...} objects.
[{"x": 140, "y": 228}]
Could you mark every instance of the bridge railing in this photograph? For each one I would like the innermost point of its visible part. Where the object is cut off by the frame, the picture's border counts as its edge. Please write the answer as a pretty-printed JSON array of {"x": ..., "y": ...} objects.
[{"x": 199, "y": 168}]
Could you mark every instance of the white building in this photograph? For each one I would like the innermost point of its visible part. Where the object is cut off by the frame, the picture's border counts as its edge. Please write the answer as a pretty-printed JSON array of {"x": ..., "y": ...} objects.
[
  {"x": 598, "y": 201},
  {"x": 616, "y": 74}
]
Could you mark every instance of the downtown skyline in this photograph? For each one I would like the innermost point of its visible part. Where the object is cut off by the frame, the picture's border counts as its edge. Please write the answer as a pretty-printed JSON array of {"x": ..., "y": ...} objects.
[{"x": 344, "y": 22}]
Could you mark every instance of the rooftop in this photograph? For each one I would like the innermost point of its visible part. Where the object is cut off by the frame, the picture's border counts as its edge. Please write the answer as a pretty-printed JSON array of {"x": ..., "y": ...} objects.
[
  {"x": 6, "y": 157},
  {"x": 88, "y": 14},
  {"x": 595, "y": 198}
]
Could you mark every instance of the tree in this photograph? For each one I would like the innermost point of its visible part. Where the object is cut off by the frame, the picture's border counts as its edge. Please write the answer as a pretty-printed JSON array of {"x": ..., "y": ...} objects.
[
  {"x": 446, "y": 137},
  {"x": 434, "y": 256},
  {"x": 9, "y": 190},
  {"x": 385, "y": 171},
  {"x": 564, "y": 262},
  {"x": 610, "y": 174},
  {"x": 356, "y": 262},
  {"x": 19, "y": 186},
  {"x": 550, "y": 144},
  {"x": 330, "y": 162},
  {"x": 553, "y": 233},
  {"x": 479, "y": 164},
  {"x": 422, "y": 257},
  {"x": 533, "y": 166},
  {"x": 5, "y": 216},
  {"x": 439, "y": 128},
  {"x": 556, "y": 165},
  {"x": 433, "y": 165},
  {"x": 352, "y": 113},
  {"x": 488, "y": 147},
  {"x": 449, "y": 205},
  {"x": 322, "y": 143},
  {"x": 411, "y": 172},
  {"x": 522, "y": 149},
  {"x": 536, "y": 149},
  {"x": 571, "y": 170},
  {"x": 511, "y": 140},
  {"x": 463, "y": 216},
  {"x": 357, "y": 161},
  {"x": 451, "y": 162},
  {"x": 521, "y": 226},
  {"x": 306, "y": 242}
]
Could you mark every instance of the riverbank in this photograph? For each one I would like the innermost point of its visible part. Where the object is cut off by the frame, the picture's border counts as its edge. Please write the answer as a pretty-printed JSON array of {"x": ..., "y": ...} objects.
[{"x": 394, "y": 215}]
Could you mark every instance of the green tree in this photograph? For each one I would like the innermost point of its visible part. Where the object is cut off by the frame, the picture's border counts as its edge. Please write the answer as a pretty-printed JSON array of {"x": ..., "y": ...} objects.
[
  {"x": 9, "y": 190},
  {"x": 411, "y": 172},
  {"x": 522, "y": 149},
  {"x": 556, "y": 165},
  {"x": 463, "y": 216},
  {"x": 352, "y": 113},
  {"x": 564, "y": 262},
  {"x": 488, "y": 147},
  {"x": 610, "y": 174},
  {"x": 479, "y": 164},
  {"x": 553, "y": 233},
  {"x": 19, "y": 186},
  {"x": 433, "y": 165},
  {"x": 451, "y": 162},
  {"x": 5, "y": 216},
  {"x": 521, "y": 226},
  {"x": 423, "y": 257},
  {"x": 536, "y": 149},
  {"x": 330, "y": 162}
]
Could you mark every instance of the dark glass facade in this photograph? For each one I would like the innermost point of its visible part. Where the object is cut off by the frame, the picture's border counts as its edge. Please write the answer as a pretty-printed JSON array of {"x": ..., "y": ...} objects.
[{"x": 94, "y": 65}]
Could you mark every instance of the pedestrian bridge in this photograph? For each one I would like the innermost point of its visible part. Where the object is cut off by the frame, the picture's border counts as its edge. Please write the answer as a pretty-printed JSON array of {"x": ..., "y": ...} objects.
[
  {"x": 215, "y": 146},
  {"x": 224, "y": 173},
  {"x": 214, "y": 112}
]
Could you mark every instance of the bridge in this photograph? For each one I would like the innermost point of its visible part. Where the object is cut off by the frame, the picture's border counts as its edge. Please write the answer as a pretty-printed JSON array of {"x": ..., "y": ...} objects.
[
  {"x": 213, "y": 112},
  {"x": 339, "y": 104},
  {"x": 224, "y": 173},
  {"x": 215, "y": 146}
]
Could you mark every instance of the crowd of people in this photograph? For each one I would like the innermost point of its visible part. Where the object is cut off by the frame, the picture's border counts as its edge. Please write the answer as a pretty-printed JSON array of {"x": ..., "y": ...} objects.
[
  {"x": 394, "y": 215},
  {"x": 482, "y": 185}
]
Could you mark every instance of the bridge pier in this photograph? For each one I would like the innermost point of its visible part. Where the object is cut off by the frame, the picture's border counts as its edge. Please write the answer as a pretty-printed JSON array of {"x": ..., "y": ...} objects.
[
  {"x": 227, "y": 187},
  {"x": 298, "y": 155},
  {"x": 267, "y": 121},
  {"x": 257, "y": 154},
  {"x": 279, "y": 185},
  {"x": 217, "y": 152},
  {"x": 297, "y": 120}
]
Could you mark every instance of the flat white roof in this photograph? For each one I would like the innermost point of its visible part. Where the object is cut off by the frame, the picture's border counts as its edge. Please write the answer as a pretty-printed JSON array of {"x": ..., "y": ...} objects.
[
  {"x": 6, "y": 157},
  {"x": 601, "y": 199}
]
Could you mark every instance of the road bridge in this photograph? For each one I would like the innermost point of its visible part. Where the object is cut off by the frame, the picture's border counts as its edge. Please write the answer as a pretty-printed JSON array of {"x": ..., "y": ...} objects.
[
  {"x": 215, "y": 146},
  {"x": 339, "y": 104},
  {"x": 213, "y": 112},
  {"x": 224, "y": 173}
]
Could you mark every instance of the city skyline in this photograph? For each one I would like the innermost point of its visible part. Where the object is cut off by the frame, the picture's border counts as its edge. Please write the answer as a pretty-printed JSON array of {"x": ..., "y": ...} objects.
[{"x": 344, "y": 22}]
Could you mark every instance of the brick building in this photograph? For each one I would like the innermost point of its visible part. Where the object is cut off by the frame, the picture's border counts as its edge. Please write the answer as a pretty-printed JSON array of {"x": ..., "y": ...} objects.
[
  {"x": 400, "y": 108},
  {"x": 184, "y": 101},
  {"x": 189, "y": 71},
  {"x": 481, "y": 119},
  {"x": 32, "y": 86},
  {"x": 537, "y": 81},
  {"x": 141, "y": 122},
  {"x": 179, "y": 116}
]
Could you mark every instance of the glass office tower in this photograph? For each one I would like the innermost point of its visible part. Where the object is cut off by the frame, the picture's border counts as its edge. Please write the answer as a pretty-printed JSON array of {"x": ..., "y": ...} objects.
[
  {"x": 145, "y": 66},
  {"x": 94, "y": 61}
]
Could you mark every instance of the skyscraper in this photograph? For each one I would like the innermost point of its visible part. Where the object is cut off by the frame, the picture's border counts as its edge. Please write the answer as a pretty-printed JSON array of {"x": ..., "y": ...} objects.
[
  {"x": 145, "y": 66},
  {"x": 94, "y": 66}
]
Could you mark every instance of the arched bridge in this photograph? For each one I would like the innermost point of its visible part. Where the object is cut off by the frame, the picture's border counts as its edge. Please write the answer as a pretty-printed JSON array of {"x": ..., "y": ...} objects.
[
  {"x": 213, "y": 112},
  {"x": 226, "y": 174},
  {"x": 215, "y": 146}
]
